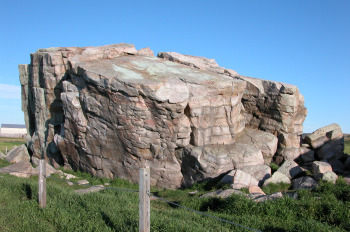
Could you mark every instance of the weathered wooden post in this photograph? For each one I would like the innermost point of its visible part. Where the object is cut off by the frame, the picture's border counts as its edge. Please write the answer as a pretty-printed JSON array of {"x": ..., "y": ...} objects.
[
  {"x": 42, "y": 183},
  {"x": 6, "y": 151},
  {"x": 144, "y": 200}
]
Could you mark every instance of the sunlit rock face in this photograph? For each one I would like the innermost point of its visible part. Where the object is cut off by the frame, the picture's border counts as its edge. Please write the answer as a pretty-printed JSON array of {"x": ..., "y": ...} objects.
[{"x": 112, "y": 109}]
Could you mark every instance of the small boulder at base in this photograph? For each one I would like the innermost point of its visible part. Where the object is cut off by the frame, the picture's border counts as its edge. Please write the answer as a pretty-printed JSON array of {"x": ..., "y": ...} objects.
[
  {"x": 290, "y": 168},
  {"x": 83, "y": 182},
  {"x": 329, "y": 177},
  {"x": 304, "y": 182},
  {"x": 239, "y": 179},
  {"x": 20, "y": 169},
  {"x": 223, "y": 193},
  {"x": 270, "y": 197},
  {"x": 260, "y": 172},
  {"x": 19, "y": 154},
  {"x": 276, "y": 178},
  {"x": 255, "y": 190},
  {"x": 319, "y": 167},
  {"x": 262, "y": 140},
  {"x": 49, "y": 169}
]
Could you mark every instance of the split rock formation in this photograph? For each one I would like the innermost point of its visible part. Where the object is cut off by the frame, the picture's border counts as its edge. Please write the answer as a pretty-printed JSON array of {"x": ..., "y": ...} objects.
[{"x": 112, "y": 109}]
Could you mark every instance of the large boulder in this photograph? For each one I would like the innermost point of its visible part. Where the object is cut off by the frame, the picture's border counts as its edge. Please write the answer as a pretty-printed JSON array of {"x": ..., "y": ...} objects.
[
  {"x": 210, "y": 161},
  {"x": 325, "y": 134},
  {"x": 112, "y": 109},
  {"x": 19, "y": 154},
  {"x": 264, "y": 141}
]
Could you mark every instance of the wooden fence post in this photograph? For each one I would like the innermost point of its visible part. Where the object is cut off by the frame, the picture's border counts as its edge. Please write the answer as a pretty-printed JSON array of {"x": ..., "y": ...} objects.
[
  {"x": 42, "y": 183},
  {"x": 144, "y": 200},
  {"x": 6, "y": 151}
]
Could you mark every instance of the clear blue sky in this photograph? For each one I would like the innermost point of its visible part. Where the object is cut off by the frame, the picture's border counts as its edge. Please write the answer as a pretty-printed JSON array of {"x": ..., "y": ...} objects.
[{"x": 305, "y": 43}]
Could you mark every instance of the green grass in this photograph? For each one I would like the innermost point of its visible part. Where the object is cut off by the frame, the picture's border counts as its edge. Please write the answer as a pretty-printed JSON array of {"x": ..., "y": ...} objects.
[
  {"x": 9, "y": 143},
  {"x": 347, "y": 147},
  {"x": 325, "y": 209}
]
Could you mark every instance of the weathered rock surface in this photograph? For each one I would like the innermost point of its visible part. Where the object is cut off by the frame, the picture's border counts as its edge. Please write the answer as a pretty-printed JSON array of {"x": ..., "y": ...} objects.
[
  {"x": 92, "y": 189},
  {"x": 305, "y": 182},
  {"x": 259, "y": 172},
  {"x": 319, "y": 167},
  {"x": 263, "y": 198},
  {"x": 290, "y": 168},
  {"x": 223, "y": 193},
  {"x": 239, "y": 179},
  {"x": 264, "y": 141},
  {"x": 274, "y": 107},
  {"x": 255, "y": 190},
  {"x": 49, "y": 170},
  {"x": 328, "y": 133},
  {"x": 110, "y": 110},
  {"x": 21, "y": 169},
  {"x": 328, "y": 176},
  {"x": 276, "y": 178},
  {"x": 18, "y": 154}
]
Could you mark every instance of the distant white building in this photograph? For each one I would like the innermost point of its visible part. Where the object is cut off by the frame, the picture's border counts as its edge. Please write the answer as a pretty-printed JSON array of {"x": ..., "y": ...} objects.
[{"x": 13, "y": 130}]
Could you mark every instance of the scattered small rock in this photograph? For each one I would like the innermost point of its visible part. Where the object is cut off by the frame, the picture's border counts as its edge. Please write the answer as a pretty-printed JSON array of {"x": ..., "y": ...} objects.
[
  {"x": 276, "y": 178},
  {"x": 293, "y": 195},
  {"x": 305, "y": 182},
  {"x": 68, "y": 176},
  {"x": 90, "y": 190},
  {"x": 255, "y": 190},
  {"x": 264, "y": 198},
  {"x": 82, "y": 182},
  {"x": 194, "y": 192},
  {"x": 223, "y": 193}
]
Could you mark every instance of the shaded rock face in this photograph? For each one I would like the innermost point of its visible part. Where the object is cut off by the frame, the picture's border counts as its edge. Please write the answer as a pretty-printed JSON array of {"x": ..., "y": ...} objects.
[{"x": 110, "y": 110}]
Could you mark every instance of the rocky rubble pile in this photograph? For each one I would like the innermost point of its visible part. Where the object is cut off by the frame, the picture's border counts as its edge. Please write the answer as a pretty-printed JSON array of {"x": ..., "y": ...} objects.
[{"x": 112, "y": 109}]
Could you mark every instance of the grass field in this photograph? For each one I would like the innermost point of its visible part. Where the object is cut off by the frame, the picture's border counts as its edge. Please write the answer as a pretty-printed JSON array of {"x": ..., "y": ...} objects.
[
  {"x": 324, "y": 209},
  {"x": 347, "y": 147},
  {"x": 9, "y": 143}
]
